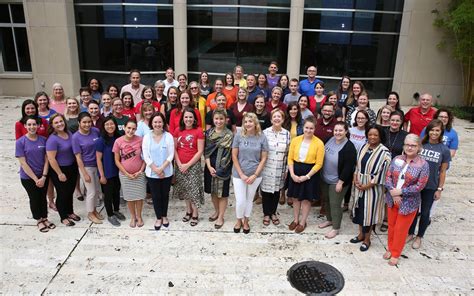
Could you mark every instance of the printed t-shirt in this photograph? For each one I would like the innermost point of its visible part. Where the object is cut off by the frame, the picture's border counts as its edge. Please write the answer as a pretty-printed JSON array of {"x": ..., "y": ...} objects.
[
  {"x": 250, "y": 149},
  {"x": 187, "y": 143},
  {"x": 121, "y": 124},
  {"x": 435, "y": 155},
  {"x": 130, "y": 153}
]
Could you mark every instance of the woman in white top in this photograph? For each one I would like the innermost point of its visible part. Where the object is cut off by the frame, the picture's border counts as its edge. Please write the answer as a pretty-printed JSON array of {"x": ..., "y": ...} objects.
[
  {"x": 143, "y": 126},
  {"x": 275, "y": 170},
  {"x": 158, "y": 153}
]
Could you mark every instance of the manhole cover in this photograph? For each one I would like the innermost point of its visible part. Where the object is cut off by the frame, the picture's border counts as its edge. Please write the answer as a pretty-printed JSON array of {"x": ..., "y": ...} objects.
[{"x": 315, "y": 278}]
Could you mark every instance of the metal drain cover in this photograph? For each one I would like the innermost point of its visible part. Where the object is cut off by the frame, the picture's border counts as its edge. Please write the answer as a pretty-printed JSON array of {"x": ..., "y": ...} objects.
[{"x": 315, "y": 278}]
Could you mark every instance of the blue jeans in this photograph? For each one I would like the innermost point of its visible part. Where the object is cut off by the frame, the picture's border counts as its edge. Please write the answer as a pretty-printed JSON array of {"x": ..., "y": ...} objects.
[{"x": 427, "y": 198}]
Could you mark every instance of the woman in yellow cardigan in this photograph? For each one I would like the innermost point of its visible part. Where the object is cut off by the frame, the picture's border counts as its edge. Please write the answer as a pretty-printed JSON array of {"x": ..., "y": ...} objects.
[
  {"x": 305, "y": 159},
  {"x": 199, "y": 102}
]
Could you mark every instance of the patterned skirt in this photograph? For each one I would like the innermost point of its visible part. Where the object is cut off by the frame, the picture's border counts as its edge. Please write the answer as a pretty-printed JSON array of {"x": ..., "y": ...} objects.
[
  {"x": 189, "y": 186},
  {"x": 133, "y": 189}
]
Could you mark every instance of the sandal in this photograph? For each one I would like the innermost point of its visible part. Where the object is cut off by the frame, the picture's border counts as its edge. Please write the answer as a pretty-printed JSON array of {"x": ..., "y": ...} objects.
[
  {"x": 53, "y": 207},
  {"x": 266, "y": 222},
  {"x": 43, "y": 229},
  {"x": 68, "y": 223},
  {"x": 194, "y": 221},
  {"x": 187, "y": 217},
  {"x": 276, "y": 221},
  {"x": 387, "y": 255},
  {"x": 49, "y": 224},
  {"x": 212, "y": 219},
  {"x": 74, "y": 217},
  {"x": 384, "y": 227},
  {"x": 140, "y": 224},
  {"x": 393, "y": 262},
  {"x": 133, "y": 223}
]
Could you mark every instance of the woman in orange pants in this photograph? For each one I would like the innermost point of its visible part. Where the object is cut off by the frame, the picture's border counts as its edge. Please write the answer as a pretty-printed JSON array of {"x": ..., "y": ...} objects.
[{"x": 406, "y": 177}]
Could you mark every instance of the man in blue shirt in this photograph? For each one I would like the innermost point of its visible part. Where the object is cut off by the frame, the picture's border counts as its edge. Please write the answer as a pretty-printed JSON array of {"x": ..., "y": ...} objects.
[
  {"x": 252, "y": 88},
  {"x": 307, "y": 85}
]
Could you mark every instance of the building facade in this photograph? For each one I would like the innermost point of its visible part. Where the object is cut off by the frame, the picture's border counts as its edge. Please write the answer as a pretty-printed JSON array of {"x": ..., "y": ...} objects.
[{"x": 386, "y": 44}]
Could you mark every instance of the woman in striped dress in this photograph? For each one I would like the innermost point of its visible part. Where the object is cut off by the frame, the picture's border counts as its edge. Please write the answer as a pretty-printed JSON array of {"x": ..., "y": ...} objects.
[
  {"x": 275, "y": 170},
  {"x": 127, "y": 153},
  {"x": 369, "y": 181}
]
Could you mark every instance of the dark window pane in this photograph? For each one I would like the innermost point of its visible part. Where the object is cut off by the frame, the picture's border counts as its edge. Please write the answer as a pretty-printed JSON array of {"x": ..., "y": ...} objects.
[
  {"x": 243, "y": 17},
  {"x": 4, "y": 13},
  {"x": 279, "y": 3},
  {"x": 218, "y": 50},
  {"x": 132, "y": 15},
  {"x": 126, "y": 1},
  {"x": 120, "y": 49},
  {"x": 17, "y": 13},
  {"x": 358, "y": 55},
  {"x": 146, "y": 15},
  {"x": 385, "y": 5},
  {"x": 23, "y": 49},
  {"x": 7, "y": 50},
  {"x": 358, "y": 21}
]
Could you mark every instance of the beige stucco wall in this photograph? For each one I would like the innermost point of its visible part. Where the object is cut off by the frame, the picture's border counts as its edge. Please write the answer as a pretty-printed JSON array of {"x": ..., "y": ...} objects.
[
  {"x": 53, "y": 49},
  {"x": 421, "y": 66}
]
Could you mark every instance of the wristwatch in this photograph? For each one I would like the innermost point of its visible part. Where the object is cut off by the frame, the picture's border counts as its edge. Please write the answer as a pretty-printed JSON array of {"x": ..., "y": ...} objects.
[{"x": 440, "y": 188}]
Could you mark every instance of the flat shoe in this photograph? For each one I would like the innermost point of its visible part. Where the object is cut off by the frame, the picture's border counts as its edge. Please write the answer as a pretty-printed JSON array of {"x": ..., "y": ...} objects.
[
  {"x": 300, "y": 228},
  {"x": 387, "y": 255},
  {"x": 276, "y": 221},
  {"x": 364, "y": 247},
  {"x": 218, "y": 226},
  {"x": 416, "y": 244},
  {"x": 355, "y": 240},
  {"x": 246, "y": 231},
  {"x": 187, "y": 217},
  {"x": 266, "y": 222},
  {"x": 237, "y": 230},
  {"x": 393, "y": 262},
  {"x": 94, "y": 219},
  {"x": 133, "y": 223},
  {"x": 292, "y": 225},
  {"x": 384, "y": 227},
  {"x": 212, "y": 219},
  {"x": 194, "y": 221},
  {"x": 140, "y": 224}
]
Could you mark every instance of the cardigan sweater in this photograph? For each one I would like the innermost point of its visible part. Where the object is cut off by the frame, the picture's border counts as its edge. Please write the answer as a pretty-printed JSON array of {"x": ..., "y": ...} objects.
[{"x": 315, "y": 152}]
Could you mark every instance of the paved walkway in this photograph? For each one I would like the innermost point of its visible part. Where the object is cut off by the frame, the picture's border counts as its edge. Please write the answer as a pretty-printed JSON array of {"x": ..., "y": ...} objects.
[{"x": 89, "y": 258}]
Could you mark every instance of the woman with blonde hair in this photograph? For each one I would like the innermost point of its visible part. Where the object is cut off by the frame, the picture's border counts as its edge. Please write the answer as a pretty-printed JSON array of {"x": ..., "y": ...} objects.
[
  {"x": 58, "y": 102},
  {"x": 383, "y": 116},
  {"x": 71, "y": 114},
  {"x": 249, "y": 154}
]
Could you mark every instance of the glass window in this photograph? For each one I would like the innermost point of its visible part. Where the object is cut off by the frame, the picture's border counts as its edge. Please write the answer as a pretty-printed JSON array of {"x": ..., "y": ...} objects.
[
  {"x": 7, "y": 50},
  {"x": 120, "y": 49},
  {"x": 361, "y": 55},
  {"x": 4, "y": 13},
  {"x": 17, "y": 13},
  {"x": 243, "y": 17},
  {"x": 131, "y": 15},
  {"x": 384, "y": 5},
  {"x": 219, "y": 50},
  {"x": 23, "y": 49},
  {"x": 14, "y": 49},
  {"x": 346, "y": 20},
  {"x": 126, "y": 1},
  {"x": 278, "y": 3}
]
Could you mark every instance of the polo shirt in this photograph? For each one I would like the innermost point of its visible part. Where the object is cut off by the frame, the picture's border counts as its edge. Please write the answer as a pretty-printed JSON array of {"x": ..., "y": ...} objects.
[
  {"x": 307, "y": 88},
  {"x": 418, "y": 120},
  {"x": 324, "y": 131}
]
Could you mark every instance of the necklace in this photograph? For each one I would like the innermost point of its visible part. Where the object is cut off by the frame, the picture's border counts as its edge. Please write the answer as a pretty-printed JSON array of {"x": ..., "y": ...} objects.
[{"x": 390, "y": 143}]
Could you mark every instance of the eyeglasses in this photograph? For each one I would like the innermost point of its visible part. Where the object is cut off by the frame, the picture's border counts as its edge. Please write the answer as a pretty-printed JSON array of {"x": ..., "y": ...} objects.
[
  {"x": 194, "y": 87},
  {"x": 410, "y": 146}
]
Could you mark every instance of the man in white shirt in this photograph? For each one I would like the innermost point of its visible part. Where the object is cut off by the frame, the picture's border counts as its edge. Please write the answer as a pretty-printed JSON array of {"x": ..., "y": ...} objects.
[
  {"x": 169, "y": 81},
  {"x": 134, "y": 87}
]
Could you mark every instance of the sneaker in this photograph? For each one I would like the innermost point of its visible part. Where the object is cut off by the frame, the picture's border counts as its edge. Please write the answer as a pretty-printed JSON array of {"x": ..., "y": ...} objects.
[
  {"x": 113, "y": 220},
  {"x": 119, "y": 216}
]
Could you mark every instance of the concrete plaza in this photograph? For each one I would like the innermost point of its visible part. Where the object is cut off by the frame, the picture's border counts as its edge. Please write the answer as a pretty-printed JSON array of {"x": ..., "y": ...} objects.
[{"x": 102, "y": 259}]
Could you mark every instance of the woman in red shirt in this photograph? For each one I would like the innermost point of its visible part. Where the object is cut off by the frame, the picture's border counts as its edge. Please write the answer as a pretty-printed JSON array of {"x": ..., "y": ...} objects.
[
  {"x": 189, "y": 143},
  {"x": 184, "y": 101},
  {"x": 30, "y": 108},
  {"x": 128, "y": 105}
]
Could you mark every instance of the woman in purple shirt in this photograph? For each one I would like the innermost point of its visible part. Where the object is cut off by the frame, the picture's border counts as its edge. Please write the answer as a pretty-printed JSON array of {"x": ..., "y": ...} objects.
[
  {"x": 64, "y": 168},
  {"x": 83, "y": 146},
  {"x": 31, "y": 153}
]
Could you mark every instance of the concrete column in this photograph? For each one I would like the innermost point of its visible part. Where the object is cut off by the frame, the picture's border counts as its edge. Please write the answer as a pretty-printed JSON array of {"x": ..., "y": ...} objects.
[
  {"x": 180, "y": 36},
  {"x": 295, "y": 38},
  {"x": 53, "y": 47},
  {"x": 421, "y": 66}
]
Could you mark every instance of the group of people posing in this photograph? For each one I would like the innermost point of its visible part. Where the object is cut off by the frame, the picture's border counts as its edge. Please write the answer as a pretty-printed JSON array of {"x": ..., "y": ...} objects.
[{"x": 268, "y": 134}]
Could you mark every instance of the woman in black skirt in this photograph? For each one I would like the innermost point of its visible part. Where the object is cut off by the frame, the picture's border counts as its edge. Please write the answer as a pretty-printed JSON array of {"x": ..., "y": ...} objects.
[{"x": 305, "y": 159}]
